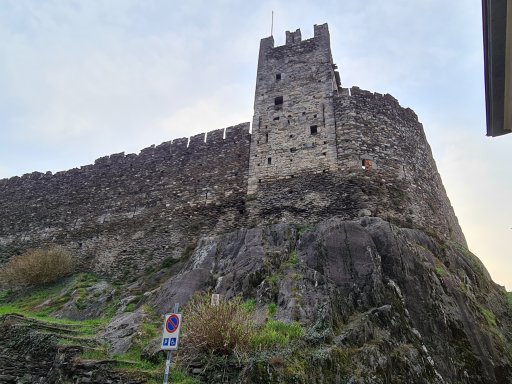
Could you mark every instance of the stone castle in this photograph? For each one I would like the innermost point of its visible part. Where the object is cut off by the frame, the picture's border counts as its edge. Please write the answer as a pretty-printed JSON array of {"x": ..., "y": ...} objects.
[{"x": 316, "y": 150}]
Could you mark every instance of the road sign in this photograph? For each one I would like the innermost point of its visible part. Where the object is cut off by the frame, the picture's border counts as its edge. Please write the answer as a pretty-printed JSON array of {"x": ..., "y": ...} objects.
[
  {"x": 171, "y": 332},
  {"x": 215, "y": 299}
]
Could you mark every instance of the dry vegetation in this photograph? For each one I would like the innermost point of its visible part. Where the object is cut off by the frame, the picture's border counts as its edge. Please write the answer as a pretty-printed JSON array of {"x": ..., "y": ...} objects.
[
  {"x": 220, "y": 329},
  {"x": 37, "y": 267}
]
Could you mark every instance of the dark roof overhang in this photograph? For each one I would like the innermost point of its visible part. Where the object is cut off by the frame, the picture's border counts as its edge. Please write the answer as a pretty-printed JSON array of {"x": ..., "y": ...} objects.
[{"x": 497, "y": 26}]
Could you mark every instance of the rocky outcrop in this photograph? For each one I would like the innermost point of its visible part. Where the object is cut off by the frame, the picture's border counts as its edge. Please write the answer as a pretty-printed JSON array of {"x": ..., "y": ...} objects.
[
  {"x": 30, "y": 352},
  {"x": 397, "y": 304},
  {"x": 379, "y": 304}
]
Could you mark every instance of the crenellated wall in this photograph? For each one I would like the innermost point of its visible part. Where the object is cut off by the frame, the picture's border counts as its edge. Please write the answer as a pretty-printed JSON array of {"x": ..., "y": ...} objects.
[
  {"x": 131, "y": 206},
  {"x": 126, "y": 213}
]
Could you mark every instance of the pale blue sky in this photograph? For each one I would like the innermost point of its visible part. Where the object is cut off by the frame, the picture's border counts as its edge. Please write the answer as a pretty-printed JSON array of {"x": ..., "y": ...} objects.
[{"x": 84, "y": 79}]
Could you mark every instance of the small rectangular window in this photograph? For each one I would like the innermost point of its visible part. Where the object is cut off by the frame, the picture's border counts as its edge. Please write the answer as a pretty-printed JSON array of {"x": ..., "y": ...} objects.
[
  {"x": 269, "y": 161},
  {"x": 278, "y": 76},
  {"x": 367, "y": 164},
  {"x": 276, "y": 118},
  {"x": 278, "y": 100},
  {"x": 313, "y": 129}
]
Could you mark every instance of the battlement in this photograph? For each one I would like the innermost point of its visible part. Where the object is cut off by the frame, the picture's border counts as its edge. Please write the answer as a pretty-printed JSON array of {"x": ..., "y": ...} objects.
[
  {"x": 194, "y": 146},
  {"x": 294, "y": 39}
]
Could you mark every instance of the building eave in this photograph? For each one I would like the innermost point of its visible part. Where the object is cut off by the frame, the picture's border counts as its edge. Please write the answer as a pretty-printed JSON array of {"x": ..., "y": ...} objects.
[{"x": 497, "y": 25}]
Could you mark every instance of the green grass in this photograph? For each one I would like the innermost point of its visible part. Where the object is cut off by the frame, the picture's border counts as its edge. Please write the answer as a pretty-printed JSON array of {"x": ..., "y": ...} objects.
[
  {"x": 28, "y": 304},
  {"x": 272, "y": 309},
  {"x": 249, "y": 305},
  {"x": 303, "y": 229},
  {"x": 56, "y": 295},
  {"x": 176, "y": 376},
  {"x": 489, "y": 316},
  {"x": 440, "y": 271},
  {"x": 273, "y": 279},
  {"x": 509, "y": 297},
  {"x": 276, "y": 333},
  {"x": 94, "y": 354},
  {"x": 292, "y": 261}
]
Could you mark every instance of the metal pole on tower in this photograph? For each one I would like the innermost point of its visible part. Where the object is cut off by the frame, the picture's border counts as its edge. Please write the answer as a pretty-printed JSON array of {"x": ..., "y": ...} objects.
[{"x": 272, "y": 25}]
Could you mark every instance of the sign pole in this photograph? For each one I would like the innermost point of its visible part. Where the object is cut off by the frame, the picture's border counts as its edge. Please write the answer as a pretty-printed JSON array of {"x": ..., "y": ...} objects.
[{"x": 168, "y": 360}]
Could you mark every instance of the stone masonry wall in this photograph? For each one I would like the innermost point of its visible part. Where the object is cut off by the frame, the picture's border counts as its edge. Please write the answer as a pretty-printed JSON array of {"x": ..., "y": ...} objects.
[
  {"x": 400, "y": 183},
  {"x": 126, "y": 213},
  {"x": 130, "y": 211},
  {"x": 293, "y": 125},
  {"x": 374, "y": 127}
]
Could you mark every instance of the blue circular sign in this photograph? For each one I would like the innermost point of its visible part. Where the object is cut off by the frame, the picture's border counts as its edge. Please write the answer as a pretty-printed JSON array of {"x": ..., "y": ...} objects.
[{"x": 172, "y": 323}]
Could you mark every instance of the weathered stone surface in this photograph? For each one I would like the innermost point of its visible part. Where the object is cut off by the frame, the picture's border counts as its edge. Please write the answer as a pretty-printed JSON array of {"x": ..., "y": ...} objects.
[
  {"x": 29, "y": 353},
  {"x": 332, "y": 210},
  {"x": 125, "y": 214},
  {"x": 407, "y": 305},
  {"x": 89, "y": 304},
  {"x": 121, "y": 330},
  {"x": 296, "y": 133}
]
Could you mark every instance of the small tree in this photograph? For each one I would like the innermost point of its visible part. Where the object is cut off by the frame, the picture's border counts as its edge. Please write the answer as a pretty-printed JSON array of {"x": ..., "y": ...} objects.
[
  {"x": 220, "y": 329},
  {"x": 37, "y": 267}
]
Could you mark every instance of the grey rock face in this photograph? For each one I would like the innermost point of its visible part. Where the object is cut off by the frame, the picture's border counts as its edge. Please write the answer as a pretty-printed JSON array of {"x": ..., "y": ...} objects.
[
  {"x": 90, "y": 305},
  {"x": 405, "y": 305},
  {"x": 121, "y": 330}
]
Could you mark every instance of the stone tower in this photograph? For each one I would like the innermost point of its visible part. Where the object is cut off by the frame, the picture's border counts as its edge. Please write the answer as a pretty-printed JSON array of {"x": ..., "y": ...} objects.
[{"x": 293, "y": 126}]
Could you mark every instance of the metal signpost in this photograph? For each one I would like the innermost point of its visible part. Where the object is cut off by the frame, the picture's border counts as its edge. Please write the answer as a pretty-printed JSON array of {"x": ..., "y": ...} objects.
[{"x": 170, "y": 337}]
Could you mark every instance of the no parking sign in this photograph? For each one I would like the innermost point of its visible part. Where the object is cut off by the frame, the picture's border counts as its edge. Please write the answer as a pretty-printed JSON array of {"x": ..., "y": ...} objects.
[{"x": 171, "y": 333}]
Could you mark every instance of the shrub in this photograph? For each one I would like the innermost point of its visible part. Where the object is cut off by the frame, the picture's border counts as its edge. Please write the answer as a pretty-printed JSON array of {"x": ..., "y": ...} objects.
[
  {"x": 37, "y": 267},
  {"x": 220, "y": 330}
]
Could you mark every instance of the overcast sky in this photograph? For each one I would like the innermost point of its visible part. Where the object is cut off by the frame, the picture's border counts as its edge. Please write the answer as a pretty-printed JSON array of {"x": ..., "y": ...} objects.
[{"x": 84, "y": 79}]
